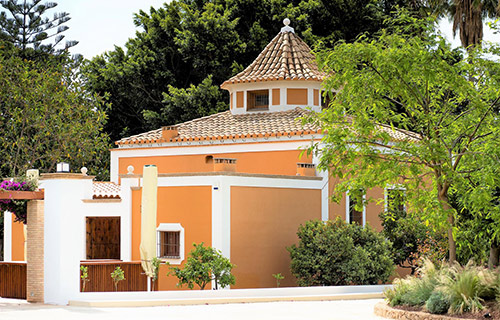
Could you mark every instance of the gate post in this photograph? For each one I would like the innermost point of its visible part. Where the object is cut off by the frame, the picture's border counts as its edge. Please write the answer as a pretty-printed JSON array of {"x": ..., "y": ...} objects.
[{"x": 35, "y": 250}]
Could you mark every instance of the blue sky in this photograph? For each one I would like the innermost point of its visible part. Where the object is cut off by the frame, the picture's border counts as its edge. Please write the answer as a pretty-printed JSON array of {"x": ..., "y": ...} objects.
[{"x": 99, "y": 25}]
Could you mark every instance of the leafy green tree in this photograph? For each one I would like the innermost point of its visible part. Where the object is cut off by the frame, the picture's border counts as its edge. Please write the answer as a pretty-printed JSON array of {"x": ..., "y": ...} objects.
[
  {"x": 186, "y": 104},
  {"x": 335, "y": 253},
  {"x": 24, "y": 24},
  {"x": 409, "y": 236},
  {"x": 203, "y": 265},
  {"x": 47, "y": 117},
  {"x": 415, "y": 83},
  {"x": 117, "y": 275},
  {"x": 185, "y": 42}
]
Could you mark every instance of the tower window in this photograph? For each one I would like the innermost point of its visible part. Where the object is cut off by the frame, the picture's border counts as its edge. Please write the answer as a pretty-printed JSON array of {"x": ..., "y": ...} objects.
[{"x": 258, "y": 99}]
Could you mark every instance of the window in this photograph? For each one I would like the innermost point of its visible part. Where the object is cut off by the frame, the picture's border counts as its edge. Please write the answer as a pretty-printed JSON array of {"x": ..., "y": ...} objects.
[
  {"x": 103, "y": 238},
  {"x": 354, "y": 214},
  {"x": 170, "y": 242},
  {"x": 258, "y": 99},
  {"x": 395, "y": 200}
]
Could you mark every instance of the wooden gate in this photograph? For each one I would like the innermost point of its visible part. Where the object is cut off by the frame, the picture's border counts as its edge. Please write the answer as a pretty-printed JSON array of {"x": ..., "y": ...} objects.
[
  {"x": 100, "y": 276},
  {"x": 103, "y": 238},
  {"x": 13, "y": 280}
]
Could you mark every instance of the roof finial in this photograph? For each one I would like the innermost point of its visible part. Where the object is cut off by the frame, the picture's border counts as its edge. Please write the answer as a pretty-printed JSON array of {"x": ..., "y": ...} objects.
[{"x": 287, "y": 28}]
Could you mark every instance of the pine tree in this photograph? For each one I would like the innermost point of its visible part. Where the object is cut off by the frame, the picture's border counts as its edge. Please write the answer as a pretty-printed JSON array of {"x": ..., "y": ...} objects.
[{"x": 23, "y": 24}]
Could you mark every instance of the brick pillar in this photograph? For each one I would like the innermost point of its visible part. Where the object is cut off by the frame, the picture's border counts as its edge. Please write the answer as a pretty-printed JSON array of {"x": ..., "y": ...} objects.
[{"x": 35, "y": 266}]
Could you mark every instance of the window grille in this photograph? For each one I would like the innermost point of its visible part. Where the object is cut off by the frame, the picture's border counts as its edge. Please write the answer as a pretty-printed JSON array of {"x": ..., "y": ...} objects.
[{"x": 169, "y": 244}]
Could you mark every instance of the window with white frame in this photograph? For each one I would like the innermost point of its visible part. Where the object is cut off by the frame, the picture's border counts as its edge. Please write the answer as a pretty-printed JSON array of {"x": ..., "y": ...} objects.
[
  {"x": 395, "y": 199},
  {"x": 355, "y": 209},
  {"x": 170, "y": 242}
]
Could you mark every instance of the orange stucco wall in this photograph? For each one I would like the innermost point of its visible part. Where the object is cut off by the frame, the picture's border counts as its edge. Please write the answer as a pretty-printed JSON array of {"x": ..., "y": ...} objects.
[
  {"x": 276, "y": 97},
  {"x": 239, "y": 99},
  {"x": 272, "y": 162},
  {"x": 17, "y": 240},
  {"x": 189, "y": 206},
  {"x": 264, "y": 221},
  {"x": 296, "y": 96}
]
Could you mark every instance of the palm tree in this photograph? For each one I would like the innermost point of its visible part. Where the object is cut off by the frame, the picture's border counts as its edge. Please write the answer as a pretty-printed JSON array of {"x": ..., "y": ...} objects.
[{"x": 468, "y": 19}]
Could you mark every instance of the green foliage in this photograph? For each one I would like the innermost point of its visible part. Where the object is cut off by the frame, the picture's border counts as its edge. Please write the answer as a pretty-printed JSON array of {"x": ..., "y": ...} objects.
[
  {"x": 203, "y": 265},
  {"x": 418, "y": 84},
  {"x": 155, "y": 264},
  {"x": 117, "y": 275},
  {"x": 185, "y": 104},
  {"x": 413, "y": 291},
  {"x": 150, "y": 80},
  {"x": 24, "y": 24},
  {"x": 278, "y": 277},
  {"x": 437, "y": 303},
  {"x": 409, "y": 237},
  {"x": 47, "y": 116},
  {"x": 337, "y": 253},
  {"x": 455, "y": 289},
  {"x": 84, "y": 275},
  {"x": 464, "y": 288}
]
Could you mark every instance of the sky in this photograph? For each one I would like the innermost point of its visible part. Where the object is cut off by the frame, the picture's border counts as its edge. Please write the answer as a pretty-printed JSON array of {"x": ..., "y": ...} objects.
[{"x": 99, "y": 25}]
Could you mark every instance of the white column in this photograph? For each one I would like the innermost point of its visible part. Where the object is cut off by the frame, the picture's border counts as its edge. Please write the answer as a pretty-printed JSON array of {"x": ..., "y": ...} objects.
[
  {"x": 126, "y": 217},
  {"x": 7, "y": 236},
  {"x": 325, "y": 190},
  {"x": 221, "y": 216},
  {"x": 64, "y": 234}
]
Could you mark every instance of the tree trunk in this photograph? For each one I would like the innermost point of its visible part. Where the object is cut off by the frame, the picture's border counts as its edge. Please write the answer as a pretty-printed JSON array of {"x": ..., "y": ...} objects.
[
  {"x": 452, "y": 246},
  {"x": 493, "y": 260}
]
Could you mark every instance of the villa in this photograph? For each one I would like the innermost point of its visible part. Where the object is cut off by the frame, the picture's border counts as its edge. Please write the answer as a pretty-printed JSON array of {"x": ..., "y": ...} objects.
[{"x": 238, "y": 181}]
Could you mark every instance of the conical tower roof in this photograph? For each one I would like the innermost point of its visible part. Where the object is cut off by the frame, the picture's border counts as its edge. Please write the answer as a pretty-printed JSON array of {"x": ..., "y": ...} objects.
[{"x": 286, "y": 57}]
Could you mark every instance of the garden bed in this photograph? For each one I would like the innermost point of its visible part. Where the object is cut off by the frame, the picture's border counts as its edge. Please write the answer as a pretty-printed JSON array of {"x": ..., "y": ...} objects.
[{"x": 416, "y": 313}]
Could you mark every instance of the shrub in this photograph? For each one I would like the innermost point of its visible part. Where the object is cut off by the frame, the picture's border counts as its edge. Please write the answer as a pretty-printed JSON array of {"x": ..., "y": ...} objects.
[
  {"x": 413, "y": 291},
  {"x": 464, "y": 289},
  {"x": 204, "y": 265},
  {"x": 437, "y": 303},
  {"x": 338, "y": 253},
  {"x": 395, "y": 295}
]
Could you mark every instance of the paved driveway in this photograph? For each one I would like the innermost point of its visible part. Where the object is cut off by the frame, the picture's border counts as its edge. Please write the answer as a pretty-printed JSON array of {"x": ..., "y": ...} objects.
[{"x": 317, "y": 310}]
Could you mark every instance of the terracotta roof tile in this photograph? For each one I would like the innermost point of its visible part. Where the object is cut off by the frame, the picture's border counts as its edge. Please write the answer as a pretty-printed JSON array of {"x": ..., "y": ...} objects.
[
  {"x": 105, "y": 190},
  {"x": 286, "y": 57},
  {"x": 225, "y": 125}
]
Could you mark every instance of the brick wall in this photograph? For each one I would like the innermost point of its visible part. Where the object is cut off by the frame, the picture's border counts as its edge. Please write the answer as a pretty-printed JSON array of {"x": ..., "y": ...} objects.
[{"x": 35, "y": 251}]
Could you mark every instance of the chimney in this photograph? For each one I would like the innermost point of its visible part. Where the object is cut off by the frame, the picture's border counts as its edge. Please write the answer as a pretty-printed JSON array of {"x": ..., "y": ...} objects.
[
  {"x": 224, "y": 164},
  {"x": 168, "y": 133},
  {"x": 306, "y": 169}
]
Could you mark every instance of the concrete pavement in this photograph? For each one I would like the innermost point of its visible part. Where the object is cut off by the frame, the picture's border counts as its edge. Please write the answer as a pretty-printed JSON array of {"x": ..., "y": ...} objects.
[{"x": 317, "y": 310}]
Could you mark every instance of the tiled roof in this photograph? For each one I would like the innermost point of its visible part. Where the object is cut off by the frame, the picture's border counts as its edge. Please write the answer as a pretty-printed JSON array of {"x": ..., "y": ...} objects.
[
  {"x": 286, "y": 57},
  {"x": 105, "y": 190},
  {"x": 224, "y": 125}
]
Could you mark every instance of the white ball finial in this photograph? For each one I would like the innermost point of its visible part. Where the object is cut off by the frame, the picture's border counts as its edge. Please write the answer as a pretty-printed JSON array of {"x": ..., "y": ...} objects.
[
  {"x": 287, "y": 28},
  {"x": 84, "y": 171},
  {"x": 130, "y": 169}
]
